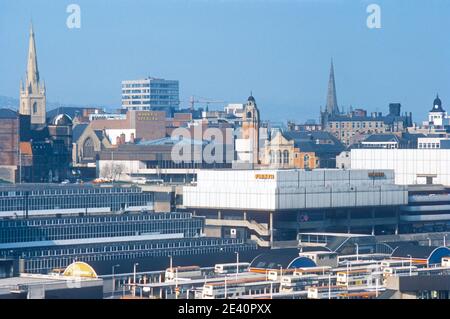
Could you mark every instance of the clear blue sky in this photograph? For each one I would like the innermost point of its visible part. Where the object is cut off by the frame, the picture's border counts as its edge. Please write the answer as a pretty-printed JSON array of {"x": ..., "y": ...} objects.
[{"x": 279, "y": 49}]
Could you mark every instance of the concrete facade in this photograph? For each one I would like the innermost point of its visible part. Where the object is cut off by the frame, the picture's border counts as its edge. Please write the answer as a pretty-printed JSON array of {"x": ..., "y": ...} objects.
[{"x": 411, "y": 166}]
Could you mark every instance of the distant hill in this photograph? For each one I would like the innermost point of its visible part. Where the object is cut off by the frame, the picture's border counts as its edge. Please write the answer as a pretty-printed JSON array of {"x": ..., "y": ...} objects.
[
  {"x": 8, "y": 102},
  {"x": 13, "y": 103}
]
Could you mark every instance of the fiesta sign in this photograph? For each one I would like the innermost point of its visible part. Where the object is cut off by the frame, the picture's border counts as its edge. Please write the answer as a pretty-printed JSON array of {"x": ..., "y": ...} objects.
[{"x": 265, "y": 176}]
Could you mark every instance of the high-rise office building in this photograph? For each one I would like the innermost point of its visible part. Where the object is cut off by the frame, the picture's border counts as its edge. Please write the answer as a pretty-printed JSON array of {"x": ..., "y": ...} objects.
[{"x": 150, "y": 94}]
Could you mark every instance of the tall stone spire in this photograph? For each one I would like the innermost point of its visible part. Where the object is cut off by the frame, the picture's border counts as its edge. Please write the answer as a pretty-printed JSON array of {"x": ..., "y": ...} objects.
[
  {"x": 32, "y": 93},
  {"x": 332, "y": 105},
  {"x": 32, "y": 67}
]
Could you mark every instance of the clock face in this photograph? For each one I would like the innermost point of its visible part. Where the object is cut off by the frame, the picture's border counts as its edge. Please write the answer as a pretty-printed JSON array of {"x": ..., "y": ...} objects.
[{"x": 436, "y": 106}]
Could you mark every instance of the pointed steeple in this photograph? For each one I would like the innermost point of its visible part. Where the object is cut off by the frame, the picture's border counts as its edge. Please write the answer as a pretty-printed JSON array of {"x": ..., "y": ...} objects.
[
  {"x": 32, "y": 80},
  {"x": 32, "y": 91},
  {"x": 332, "y": 105}
]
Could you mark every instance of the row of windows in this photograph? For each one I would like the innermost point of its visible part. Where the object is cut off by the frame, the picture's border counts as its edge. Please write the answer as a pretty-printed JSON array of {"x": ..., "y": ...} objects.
[
  {"x": 115, "y": 202},
  {"x": 190, "y": 228},
  {"x": 154, "y": 103},
  {"x": 71, "y": 191},
  {"x": 92, "y": 219},
  {"x": 355, "y": 124},
  {"x": 150, "y": 97},
  {"x": 173, "y": 85},
  {"x": 278, "y": 157},
  {"x": 125, "y": 92},
  {"x": 429, "y": 145}
]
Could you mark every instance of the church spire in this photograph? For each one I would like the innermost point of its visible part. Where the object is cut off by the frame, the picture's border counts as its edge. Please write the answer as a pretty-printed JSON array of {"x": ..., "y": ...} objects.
[
  {"x": 32, "y": 81},
  {"x": 32, "y": 92},
  {"x": 332, "y": 105}
]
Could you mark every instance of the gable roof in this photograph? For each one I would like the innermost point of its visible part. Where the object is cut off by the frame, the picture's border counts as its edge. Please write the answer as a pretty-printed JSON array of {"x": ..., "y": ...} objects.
[
  {"x": 314, "y": 142},
  {"x": 382, "y": 138},
  {"x": 78, "y": 130},
  {"x": 8, "y": 114}
]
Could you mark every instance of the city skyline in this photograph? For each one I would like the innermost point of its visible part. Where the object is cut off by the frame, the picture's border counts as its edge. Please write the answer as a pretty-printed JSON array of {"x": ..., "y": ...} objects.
[{"x": 299, "y": 70}]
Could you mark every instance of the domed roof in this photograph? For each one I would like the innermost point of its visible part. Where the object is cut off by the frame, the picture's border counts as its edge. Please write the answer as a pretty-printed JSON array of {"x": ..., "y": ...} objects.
[
  {"x": 62, "y": 120},
  {"x": 80, "y": 269},
  {"x": 251, "y": 99},
  {"x": 437, "y": 105}
]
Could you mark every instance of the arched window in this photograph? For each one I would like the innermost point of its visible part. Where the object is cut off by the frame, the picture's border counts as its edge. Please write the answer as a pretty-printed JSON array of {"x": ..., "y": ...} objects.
[
  {"x": 34, "y": 108},
  {"x": 306, "y": 161},
  {"x": 88, "y": 149},
  {"x": 249, "y": 115},
  {"x": 272, "y": 157},
  {"x": 280, "y": 159},
  {"x": 286, "y": 157}
]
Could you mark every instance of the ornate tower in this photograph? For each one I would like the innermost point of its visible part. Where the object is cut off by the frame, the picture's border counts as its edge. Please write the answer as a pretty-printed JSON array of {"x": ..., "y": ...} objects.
[
  {"x": 437, "y": 114},
  {"x": 332, "y": 105},
  {"x": 250, "y": 128},
  {"x": 32, "y": 93}
]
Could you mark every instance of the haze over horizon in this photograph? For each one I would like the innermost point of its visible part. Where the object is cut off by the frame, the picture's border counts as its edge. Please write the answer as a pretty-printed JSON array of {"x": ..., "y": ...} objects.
[{"x": 222, "y": 50}]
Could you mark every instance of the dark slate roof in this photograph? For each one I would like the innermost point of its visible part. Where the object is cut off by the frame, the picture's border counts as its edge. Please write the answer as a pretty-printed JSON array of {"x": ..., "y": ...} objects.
[
  {"x": 70, "y": 111},
  {"x": 99, "y": 134},
  {"x": 395, "y": 244},
  {"x": 419, "y": 252},
  {"x": 382, "y": 138},
  {"x": 275, "y": 258},
  {"x": 306, "y": 142},
  {"x": 387, "y": 119},
  {"x": 8, "y": 114},
  {"x": 412, "y": 136},
  {"x": 77, "y": 131}
]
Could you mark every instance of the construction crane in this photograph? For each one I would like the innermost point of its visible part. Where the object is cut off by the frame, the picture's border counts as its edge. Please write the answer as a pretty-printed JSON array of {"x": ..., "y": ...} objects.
[{"x": 193, "y": 100}]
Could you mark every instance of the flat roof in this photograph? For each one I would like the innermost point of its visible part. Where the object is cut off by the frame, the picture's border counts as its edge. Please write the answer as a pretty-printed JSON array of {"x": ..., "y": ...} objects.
[
  {"x": 337, "y": 234},
  {"x": 31, "y": 279}
]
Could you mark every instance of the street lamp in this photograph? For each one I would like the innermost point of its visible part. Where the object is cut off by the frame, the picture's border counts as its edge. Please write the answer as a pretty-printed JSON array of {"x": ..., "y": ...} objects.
[
  {"x": 410, "y": 265},
  {"x": 237, "y": 264},
  {"x": 134, "y": 278},
  {"x": 429, "y": 241},
  {"x": 444, "y": 240},
  {"x": 171, "y": 260},
  {"x": 357, "y": 251},
  {"x": 329, "y": 286},
  {"x": 113, "y": 280}
]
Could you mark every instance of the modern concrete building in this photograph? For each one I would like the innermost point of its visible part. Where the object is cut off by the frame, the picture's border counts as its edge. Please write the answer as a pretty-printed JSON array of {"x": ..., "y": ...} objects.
[
  {"x": 151, "y": 94},
  {"x": 275, "y": 205},
  {"x": 411, "y": 166}
]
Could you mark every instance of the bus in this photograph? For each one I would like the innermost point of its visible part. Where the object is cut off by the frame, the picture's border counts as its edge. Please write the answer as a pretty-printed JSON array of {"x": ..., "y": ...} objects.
[
  {"x": 312, "y": 271},
  {"x": 298, "y": 283},
  {"x": 233, "y": 288},
  {"x": 359, "y": 277},
  {"x": 276, "y": 274},
  {"x": 399, "y": 271},
  {"x": 182, "y": 273},
  {"x": 362, "y": 294},
  {"x": 230, "y": 268},
  {"x": 326, "y": 292},
  {"x": 434, "y": 271},
  {"x": 445, "y": 262},
  {"x": 391, "y": 263}
]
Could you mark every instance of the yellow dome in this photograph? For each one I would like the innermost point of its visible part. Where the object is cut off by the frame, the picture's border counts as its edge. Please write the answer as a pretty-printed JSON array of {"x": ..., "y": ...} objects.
[{"x": 80, "y": 269}]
